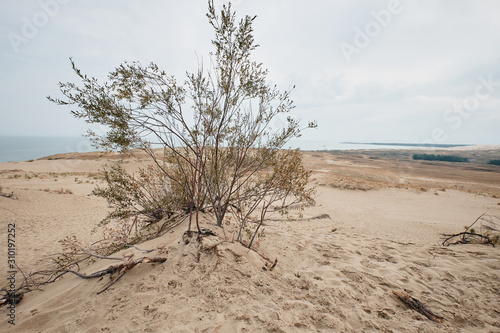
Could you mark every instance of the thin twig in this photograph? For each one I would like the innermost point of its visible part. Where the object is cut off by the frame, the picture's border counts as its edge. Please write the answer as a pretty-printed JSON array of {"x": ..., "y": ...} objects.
[
  {"x": 475, "y": 222},
  {"x": 112, "y": 283}
]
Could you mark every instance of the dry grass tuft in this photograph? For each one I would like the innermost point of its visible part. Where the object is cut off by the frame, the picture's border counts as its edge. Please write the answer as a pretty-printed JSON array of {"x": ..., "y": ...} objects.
[
  {"x": 64, "y": 191},
  {"x": 353, "y": 183}
]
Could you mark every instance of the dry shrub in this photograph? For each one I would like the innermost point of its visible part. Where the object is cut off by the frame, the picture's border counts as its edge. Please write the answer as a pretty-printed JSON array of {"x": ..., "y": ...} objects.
[
  {"x": 225, "y": 156},
  {"x": 149, "y": 194}
]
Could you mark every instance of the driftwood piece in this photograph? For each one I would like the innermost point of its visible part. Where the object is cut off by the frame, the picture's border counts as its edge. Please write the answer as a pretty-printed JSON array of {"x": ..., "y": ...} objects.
[
  {"x": 416, "y": 305},
  {"x": 121, "y": 268}
]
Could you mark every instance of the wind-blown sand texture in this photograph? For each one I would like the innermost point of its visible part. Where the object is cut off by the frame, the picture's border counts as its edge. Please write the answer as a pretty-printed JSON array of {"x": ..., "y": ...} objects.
[{"x": 375, "y": 228}]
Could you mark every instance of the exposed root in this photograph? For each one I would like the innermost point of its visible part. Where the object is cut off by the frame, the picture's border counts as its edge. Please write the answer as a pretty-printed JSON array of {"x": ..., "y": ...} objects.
[{"x": 38, "y": 279}]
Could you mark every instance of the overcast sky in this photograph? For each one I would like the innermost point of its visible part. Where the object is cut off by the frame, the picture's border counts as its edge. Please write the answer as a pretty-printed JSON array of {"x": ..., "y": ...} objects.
[{"x": 367, "y": 71}]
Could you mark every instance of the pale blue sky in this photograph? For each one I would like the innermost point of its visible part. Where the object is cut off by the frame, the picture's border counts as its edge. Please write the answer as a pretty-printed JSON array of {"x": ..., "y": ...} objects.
[{"x": 367, "y": 71}]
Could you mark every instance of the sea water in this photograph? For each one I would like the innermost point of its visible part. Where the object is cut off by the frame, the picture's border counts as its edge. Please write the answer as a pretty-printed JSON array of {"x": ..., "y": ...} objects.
[{"x": 23, "y": 148}]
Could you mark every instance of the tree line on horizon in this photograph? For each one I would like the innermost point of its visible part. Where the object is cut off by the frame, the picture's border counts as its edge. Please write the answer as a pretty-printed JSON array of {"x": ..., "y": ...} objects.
[{"x": 445, "y": 158}]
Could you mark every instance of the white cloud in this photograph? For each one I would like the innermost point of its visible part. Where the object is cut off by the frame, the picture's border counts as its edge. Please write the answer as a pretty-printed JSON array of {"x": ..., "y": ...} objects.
[{"x": 397, "y": 88}]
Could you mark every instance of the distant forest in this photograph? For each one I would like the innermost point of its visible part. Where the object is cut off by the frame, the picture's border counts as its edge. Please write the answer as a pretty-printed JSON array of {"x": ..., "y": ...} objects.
[
  {"x": 494, "y": 162},
  {"x": 446, "y": 158}
]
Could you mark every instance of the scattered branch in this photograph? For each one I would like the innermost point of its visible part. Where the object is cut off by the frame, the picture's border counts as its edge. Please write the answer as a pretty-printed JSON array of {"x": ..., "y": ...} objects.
[
  {"x": 488, "y": 233},
  {"x": 416, "y": 305},
  {"x": 121, "y": 269},
  {"x": 36, "y": 280}
]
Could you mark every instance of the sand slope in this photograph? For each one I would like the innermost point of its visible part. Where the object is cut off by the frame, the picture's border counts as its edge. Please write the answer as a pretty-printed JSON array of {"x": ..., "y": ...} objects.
[{"x": 333, "y": 274}]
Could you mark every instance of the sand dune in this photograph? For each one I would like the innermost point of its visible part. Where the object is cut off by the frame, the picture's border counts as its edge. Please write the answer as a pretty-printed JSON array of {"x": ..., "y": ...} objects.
[{"x": 379, "y": 230}]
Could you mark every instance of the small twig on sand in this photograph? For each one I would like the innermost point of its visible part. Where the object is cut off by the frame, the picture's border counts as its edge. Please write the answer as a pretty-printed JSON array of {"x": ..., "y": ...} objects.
[
  {"x": 415, "y": 304},
  {"x": 112, "y": 283},
  {"x": 10, "y": 196},
  {"x": 465, "y": 240},
  {"x": 469, "y": 234},
  {"x": 271, "y": 267},
  {"x": 468, "y": 228}
]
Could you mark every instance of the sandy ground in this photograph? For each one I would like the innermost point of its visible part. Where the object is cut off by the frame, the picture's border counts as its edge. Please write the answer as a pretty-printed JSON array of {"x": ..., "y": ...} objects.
[{"x": 380, "y": 213}]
